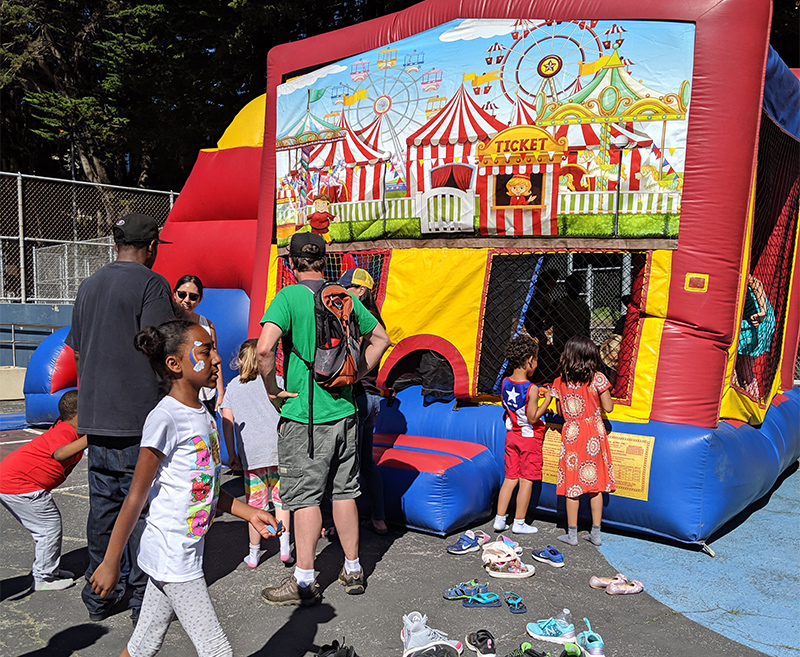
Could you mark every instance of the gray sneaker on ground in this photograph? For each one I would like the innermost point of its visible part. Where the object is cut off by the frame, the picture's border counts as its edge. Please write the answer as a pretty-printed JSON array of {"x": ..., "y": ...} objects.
[
  {"x": 354, "y": 583},
  {"x": 416, "y": 636},
  {"x": 53, "y": 584},
  {"x": 289, "y": 592}
]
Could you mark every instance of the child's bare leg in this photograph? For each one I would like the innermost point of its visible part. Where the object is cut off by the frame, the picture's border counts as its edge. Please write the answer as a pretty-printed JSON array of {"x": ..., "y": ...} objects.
[
  {"x": 596, "y": 504},
  {"x": 571, "y": 537},
  {"x": 125, "y": 652},
  {"x": 523, "y": 502},
  {"x": 503, "y": 500}
]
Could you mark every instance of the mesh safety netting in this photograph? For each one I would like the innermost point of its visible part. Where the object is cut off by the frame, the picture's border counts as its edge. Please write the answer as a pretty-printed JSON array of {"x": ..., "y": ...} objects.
[{"x": 775, "y": 216}]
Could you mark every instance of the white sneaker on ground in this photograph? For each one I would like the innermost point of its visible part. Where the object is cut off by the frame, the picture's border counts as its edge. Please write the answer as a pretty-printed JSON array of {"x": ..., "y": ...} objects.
[
  {"x": 53, "y": 584},
  {"x": 416, "y": 635}
]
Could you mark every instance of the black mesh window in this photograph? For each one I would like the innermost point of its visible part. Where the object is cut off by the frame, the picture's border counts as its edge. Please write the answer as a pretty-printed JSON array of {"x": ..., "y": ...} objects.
[
  {"x": 774, "y": 232},
  {"x": 554, "y": 296}
]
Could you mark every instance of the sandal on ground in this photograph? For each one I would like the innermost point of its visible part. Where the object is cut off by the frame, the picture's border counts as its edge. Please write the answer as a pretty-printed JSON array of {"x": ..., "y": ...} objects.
[
  {"x": 515, "y": 603},
  {"x": 465, "y": 590},
  {"x": 625, "y": 588},
  {"x": 602, "y": 582},
  {"x": 510, "y": 542},
  {"x": 487, "y": 599}
]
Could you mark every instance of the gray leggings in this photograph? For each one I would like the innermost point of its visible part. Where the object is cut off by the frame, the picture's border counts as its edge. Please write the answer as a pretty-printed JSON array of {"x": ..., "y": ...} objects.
[{"x": 190, "y": 602}]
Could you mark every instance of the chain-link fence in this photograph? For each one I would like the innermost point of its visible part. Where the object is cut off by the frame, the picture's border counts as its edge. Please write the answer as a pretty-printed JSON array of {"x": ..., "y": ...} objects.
[{"x": 54, "y": 233}]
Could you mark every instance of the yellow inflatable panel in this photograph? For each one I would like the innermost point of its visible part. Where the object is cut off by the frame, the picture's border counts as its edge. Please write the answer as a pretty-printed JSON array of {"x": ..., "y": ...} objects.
[
  {"x": 247, "y": 127},
  {"x": 436, "y": 278}
]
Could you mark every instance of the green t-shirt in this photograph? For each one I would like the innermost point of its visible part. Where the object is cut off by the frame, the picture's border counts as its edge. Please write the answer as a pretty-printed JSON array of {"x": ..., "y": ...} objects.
[{"x": 292, "y": 310}]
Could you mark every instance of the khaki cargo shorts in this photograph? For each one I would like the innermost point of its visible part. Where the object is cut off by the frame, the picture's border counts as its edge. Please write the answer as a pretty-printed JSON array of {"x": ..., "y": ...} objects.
[{"x": 333, "y": 472}]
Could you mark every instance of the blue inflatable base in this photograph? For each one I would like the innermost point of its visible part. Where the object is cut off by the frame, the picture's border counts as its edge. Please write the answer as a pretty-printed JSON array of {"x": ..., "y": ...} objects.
[{"x": 699, "y": 478}]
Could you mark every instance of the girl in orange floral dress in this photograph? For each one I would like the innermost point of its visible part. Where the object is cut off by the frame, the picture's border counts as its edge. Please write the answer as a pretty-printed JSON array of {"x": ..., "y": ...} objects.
[{"x": 584, "y": 465}]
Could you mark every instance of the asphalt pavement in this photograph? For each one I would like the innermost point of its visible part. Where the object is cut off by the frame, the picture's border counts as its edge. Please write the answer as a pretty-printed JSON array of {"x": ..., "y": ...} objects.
[{"x": 407, "y": 571}]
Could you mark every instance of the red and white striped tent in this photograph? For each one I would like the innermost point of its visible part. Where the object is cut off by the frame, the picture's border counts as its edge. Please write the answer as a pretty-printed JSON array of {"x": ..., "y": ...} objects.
[
  {"x": 362, "y": 164},
  {"x": 524, "y": 113},
  {"x": 450, "y": 135}
]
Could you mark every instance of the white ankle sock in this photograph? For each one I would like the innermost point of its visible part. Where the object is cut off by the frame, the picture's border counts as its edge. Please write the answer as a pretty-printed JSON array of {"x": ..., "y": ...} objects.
[
  {"x": 352, "y": 566},
  {"x": 500, "y": 523},
  {"x": 520, "y": 527},
  {"x": 304, "y": 577},
  {"x": 253, "y": 556}
]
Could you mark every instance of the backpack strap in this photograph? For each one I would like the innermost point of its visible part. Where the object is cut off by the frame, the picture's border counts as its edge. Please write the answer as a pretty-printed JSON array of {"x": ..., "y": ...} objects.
[{"x": 310, "y": 366}]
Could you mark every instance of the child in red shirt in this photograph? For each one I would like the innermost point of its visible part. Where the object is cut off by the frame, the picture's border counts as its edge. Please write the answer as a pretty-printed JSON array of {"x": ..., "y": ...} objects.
[{"x": 26, "y": 478}]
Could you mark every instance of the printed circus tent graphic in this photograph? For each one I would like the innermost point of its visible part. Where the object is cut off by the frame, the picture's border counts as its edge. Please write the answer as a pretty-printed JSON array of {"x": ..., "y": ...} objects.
[
  {"x": 349, "y": 168},
  {"x": 449, "y": 136}
]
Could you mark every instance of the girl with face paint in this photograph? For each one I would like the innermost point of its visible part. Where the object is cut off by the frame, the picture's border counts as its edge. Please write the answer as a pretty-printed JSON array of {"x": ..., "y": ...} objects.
[
  {"x": 179, "y": 471},
  {"x": 187, "y": 293}
]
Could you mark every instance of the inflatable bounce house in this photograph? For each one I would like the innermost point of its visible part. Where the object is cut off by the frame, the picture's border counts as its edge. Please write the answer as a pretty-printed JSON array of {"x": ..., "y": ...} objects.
[{"x": 626, "y": 171}]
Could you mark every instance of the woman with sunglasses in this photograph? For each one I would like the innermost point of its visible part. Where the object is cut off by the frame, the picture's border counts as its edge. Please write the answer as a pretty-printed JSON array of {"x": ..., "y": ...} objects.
[{"x": 188, "y": 292}]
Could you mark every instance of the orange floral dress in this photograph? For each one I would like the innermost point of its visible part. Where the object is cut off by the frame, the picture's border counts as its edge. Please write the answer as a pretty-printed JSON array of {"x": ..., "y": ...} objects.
[{"x": 584, "y": 465}]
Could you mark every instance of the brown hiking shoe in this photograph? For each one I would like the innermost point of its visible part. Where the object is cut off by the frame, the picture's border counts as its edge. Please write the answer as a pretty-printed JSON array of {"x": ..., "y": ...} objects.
[
  {"x": 354, "y": 583},
  {"x": 289, "y": 592}
]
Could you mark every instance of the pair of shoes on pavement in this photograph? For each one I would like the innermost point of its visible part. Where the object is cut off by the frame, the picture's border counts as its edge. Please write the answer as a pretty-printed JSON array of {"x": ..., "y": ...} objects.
[
  {"x": 289, "y": 592},
  {"x": 617, "y": 585},
  {"x": 63, "y": 579},
  {"x": 337, "y": 649},
  {"x": 527, "y": 650},
  {"x": 419, "y": 640},
  {"x": 555, "y": 630}
]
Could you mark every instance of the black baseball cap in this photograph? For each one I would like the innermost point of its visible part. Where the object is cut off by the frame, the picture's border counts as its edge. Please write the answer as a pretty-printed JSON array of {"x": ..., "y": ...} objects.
[
  {"x": 301, "y": 240},
  {"x": 136, "y": 227}
]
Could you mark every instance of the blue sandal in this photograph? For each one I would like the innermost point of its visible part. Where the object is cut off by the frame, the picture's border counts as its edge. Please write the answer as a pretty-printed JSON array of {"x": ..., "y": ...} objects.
[
  {"x": 465, "y": 590},
  {"x": 487, "y": 599},
  {"x": 515, "y": 604}
]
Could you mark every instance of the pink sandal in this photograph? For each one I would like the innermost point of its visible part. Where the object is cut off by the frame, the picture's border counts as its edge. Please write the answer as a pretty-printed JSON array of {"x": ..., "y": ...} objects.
[
  {"x": 625, "y": 588},
  {"x": 602, "y": 582}
]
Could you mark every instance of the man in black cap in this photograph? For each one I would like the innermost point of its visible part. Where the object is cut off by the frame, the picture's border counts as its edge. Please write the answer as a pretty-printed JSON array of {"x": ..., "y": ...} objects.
[
  {"x": 118, "y": 388},
  {"x": 330, "y": 464}
]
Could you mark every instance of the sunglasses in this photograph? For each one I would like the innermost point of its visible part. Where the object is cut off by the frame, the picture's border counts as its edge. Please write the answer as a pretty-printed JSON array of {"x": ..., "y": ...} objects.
[{"x": 193, "y": 296}]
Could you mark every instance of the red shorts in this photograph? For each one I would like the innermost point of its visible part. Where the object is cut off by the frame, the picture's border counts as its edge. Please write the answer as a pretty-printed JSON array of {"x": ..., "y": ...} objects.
[{"x": 523, "y": 456}]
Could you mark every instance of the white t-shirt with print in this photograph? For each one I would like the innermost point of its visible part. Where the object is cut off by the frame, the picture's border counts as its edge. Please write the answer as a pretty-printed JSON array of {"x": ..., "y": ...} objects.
[{"x": 183, "y": 498}]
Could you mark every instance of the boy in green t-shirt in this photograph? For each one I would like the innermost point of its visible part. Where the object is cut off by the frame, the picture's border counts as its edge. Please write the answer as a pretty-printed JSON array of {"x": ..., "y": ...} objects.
[{"x": 335, "y": 427}]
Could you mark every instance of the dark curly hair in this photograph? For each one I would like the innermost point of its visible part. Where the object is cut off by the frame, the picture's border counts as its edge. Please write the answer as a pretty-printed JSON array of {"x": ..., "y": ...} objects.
[
  {"x": 159, "y": 342},
  {"x": 520, "y": 349},
  {"x": 579, "y": 360}
]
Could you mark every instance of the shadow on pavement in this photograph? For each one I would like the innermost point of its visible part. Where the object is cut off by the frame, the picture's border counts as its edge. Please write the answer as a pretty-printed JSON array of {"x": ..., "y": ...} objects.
[
  {"x": 14, "y": 586},
  {"x": 66, "y": 642},
  {"x": 296, "y": 637}
]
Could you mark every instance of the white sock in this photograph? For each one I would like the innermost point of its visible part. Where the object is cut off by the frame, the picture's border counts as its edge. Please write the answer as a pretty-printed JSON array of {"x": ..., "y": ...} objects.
[
  {"x": 255, "y": 553},
  {"x": 284, "y": 541},
  {"x": 500, "y": 523},
  {"x": 304, "y": 577},
  {"x": 352, "y": 566},
  {"x": 521, "y": 528}
]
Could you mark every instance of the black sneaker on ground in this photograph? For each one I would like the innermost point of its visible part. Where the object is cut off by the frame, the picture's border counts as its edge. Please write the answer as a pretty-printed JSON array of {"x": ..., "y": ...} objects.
[
  {"x": 440, "y": 649},
  {"x": 289, "y": 592},
  {"x": 337, "y": 650},
  {"x": 354, "y": 583},
  {"x": 481, "y": 642}
]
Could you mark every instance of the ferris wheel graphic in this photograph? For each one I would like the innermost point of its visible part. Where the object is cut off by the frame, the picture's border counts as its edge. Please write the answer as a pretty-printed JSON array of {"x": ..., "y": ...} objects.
[
  {"x": 545, "y": 58},
  {"x": 389, "y": 90}
]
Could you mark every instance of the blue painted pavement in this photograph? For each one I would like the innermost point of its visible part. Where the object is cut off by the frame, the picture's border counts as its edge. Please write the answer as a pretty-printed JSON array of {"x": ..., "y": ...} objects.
[{"x": 750, "y": 592}]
